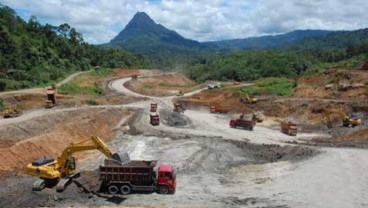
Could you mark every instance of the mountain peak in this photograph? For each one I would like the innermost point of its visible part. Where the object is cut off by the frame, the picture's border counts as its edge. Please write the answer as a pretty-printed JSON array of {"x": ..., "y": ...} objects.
[
  {"x": 141, "y": 18},
  {"x": 143, "y": 34}
]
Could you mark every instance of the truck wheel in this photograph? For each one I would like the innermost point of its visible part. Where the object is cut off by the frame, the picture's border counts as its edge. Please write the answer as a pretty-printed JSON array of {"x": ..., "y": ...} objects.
[
  {"x": 113, "y": 189},
  {"x": 125, "y": 189},
  {"x": 163, "y": 190}
]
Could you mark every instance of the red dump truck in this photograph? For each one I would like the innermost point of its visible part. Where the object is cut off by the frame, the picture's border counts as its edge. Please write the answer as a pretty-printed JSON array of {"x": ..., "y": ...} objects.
[
  {"x": 243, "y": 123},
  {"x": 289, "y": 128},
  {"x": 137, "y": 176},
  {"x": 154, "y": 119}
]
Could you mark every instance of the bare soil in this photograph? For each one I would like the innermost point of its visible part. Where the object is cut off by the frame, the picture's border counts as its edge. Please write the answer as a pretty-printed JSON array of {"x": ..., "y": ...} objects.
[{"x": 216, "y": 166}]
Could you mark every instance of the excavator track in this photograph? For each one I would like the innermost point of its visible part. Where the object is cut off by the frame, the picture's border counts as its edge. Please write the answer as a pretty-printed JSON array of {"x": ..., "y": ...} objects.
[
  {"x": 64, "y": 182},
  {"x": 38, "y": 185}
]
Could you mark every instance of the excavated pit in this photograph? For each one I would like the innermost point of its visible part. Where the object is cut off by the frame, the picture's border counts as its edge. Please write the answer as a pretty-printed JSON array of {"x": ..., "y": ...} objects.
[{"x": 205, "y": 168}]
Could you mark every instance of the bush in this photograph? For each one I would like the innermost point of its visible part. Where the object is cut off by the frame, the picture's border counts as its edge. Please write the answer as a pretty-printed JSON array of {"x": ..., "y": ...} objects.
[
  {"x": 91, "y": 102},
  {"x": 101, "y": 72}
]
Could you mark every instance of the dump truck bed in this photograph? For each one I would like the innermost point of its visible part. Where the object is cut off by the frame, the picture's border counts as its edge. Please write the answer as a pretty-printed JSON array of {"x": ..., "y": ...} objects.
[{"x": 136, "y": 172}]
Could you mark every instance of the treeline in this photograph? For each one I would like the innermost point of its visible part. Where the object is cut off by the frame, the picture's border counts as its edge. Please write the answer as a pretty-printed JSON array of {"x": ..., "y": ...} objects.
[
  {"x": 34, "y": 54},
  {"x": 249, "y": 66},
  {"x": 311, "y": 55}
]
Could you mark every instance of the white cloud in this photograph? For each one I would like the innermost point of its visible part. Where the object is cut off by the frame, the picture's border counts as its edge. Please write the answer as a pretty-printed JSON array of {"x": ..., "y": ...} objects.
[{"x": 200, "y": 19}]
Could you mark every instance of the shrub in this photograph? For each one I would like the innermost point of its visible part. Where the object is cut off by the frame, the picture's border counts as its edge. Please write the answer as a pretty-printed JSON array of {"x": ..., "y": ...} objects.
[{"x": 91, "y": 102}]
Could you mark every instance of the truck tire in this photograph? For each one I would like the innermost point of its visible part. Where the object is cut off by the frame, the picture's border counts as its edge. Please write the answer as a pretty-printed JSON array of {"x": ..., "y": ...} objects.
[
  {"x": 125, "y": 189},
  {"x": 163, "y": 190},
  {"x": 113, "y": 189}
]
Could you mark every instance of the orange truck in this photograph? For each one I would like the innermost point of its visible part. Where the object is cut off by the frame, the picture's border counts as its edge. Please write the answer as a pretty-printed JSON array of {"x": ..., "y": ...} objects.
[
  {"x": 153, "y": 107},
  {"x": 219, "y": 109},
  {"x": 289, "y": 128}
]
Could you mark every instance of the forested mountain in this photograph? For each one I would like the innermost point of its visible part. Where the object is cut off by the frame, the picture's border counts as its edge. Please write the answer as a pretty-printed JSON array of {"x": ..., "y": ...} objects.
[
  {"x": 347, "y": 49},
  {"x": 34, "y": 54},
  {"x": 271, "y": 41},
  {"x": 142, "y": 35}
]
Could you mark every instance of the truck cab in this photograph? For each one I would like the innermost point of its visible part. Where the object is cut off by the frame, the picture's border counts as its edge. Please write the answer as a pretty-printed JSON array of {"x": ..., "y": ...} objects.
[{"x": 166, "y": 180}]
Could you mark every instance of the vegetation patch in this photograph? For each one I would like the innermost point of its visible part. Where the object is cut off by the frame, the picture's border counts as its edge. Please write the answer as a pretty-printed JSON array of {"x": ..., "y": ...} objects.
[
  {"x": 91, "y": 102},
  {"x": 102, "y": 72},
  {"x": 271, "y": 86},
  {"x": 74, "y": 88}
]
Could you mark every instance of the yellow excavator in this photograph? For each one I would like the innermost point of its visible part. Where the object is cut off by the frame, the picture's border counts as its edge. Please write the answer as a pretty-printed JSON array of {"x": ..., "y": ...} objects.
[
  {"x": 346, "y": 120},
  {"x": 62, "y": 170},
  {"x": 245, "y": 98}
]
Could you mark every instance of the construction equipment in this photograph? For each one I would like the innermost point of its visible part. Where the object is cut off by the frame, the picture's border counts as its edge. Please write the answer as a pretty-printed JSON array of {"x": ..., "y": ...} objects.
[
  {"x": 154, "y": 119},
  {"x": 245, "y": 98},
  {"x": 62, "y": 170},
  {"x": 258, "y": 116},
  {"x": 178, "y": 107},
  {"x": 137, "y": 175},
  {"x": 51, "y": 101},
  {"x": 153, "y": 107},
  {"x": 242, "y": 122},
  {"x": 219, "y": 109},
  {"x": 214, "y": 85},
  {"x": 11, "y": 112},
  {"x": 346, "y": 120},
  {"x": 289, "y": 128}
]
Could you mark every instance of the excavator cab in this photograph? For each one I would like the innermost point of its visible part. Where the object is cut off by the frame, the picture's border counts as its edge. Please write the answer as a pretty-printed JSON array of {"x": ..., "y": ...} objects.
[{"x": 71, "y": 165}]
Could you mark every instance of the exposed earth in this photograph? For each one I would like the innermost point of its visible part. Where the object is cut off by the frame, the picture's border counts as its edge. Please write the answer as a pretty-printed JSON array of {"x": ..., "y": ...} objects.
[{"x": 216, "y": 166}]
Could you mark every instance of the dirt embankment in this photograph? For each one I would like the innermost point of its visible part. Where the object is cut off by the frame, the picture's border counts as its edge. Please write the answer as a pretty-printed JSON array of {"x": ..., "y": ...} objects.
[
  {"x": 169, "y": 84},
  {"x": 334, "y": 83},
  {"x": 48, "y": 135}
]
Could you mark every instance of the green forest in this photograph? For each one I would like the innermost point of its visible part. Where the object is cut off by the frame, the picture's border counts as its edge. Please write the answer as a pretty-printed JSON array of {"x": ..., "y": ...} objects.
[
  {"x": 32, "y": 54},
  {"x": 309, "y": 56}
]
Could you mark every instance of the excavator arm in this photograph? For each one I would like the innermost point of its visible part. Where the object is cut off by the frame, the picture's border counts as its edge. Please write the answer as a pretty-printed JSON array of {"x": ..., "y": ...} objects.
[{"x": 64, "y": 166}]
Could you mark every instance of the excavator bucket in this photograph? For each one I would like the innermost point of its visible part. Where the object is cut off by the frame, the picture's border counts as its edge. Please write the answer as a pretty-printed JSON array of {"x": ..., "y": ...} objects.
[{"x": 121, "y": 156}]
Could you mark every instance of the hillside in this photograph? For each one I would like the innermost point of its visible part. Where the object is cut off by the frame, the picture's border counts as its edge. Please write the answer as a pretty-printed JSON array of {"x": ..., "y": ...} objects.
[
  {"x": 32, "y": 54},
  {"x": 142, "y": 35},
  {"x": 271, "y": 41}
]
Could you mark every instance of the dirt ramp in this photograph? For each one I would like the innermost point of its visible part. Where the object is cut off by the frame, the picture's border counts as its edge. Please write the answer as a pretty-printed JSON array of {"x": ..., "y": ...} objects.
[{"x": 49, "y": 135}]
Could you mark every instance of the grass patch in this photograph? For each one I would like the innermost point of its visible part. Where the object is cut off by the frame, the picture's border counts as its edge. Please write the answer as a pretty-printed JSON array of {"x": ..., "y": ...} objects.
[
  {"x": 271, "y": 86},
  {"x": 91, "y": 102},
  {"x": 73, "y": 88},
  {"x": 101, "y": 72}
]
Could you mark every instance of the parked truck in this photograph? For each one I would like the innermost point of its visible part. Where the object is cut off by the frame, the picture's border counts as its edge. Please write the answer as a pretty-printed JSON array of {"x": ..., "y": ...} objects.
[
  {"x": 153, "y": 107},
  {"x": 289, "y": 128},
  {"x": 219, "y": 109},
  {"x": 154, "y": 119},
  {"x": 242, "y": 122},
  {"x": 137, "y": 176},
  {"x": 51, "y": 101}
]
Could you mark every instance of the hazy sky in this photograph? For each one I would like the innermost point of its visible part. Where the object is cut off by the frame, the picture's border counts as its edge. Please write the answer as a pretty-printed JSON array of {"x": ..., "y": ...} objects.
[{"x": 202, "y": 20}]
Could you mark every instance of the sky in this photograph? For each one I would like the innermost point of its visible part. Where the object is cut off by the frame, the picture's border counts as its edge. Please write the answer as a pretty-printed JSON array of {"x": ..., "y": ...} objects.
[{"x": 204, "y": 20}]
